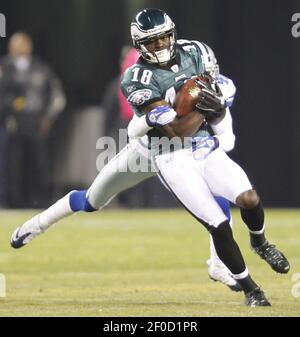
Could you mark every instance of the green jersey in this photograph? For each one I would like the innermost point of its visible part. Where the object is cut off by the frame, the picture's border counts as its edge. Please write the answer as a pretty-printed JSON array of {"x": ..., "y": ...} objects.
[{"x": 144, "y": 83}]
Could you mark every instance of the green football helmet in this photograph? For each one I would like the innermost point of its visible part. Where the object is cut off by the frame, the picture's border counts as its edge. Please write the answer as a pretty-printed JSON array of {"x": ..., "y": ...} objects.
[{"x": 150, "y": 24}]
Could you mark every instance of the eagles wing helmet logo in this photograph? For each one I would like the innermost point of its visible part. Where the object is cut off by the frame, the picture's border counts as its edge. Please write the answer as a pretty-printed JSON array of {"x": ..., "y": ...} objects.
[{"x": 139, "y": 97}]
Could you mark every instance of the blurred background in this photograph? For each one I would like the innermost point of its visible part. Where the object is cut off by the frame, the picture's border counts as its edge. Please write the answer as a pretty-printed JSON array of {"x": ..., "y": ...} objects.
[{"x": 82, "y": 42}]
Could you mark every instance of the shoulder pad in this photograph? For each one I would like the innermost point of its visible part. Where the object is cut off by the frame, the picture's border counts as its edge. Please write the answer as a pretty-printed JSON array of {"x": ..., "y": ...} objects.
[{"x": 183, "y": 42}]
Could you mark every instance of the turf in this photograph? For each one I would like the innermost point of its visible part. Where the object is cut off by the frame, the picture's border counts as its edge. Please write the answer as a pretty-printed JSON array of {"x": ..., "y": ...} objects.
[{"x": 138, "y": 263}]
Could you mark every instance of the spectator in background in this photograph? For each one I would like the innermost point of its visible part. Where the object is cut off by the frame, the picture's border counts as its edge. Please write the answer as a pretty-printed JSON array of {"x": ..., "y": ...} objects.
[{"x": 31, "y": 97}]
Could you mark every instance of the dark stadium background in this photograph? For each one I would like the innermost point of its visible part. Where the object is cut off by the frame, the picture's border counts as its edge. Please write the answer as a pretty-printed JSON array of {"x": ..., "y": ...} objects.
[{"x": 254, "y": 46}]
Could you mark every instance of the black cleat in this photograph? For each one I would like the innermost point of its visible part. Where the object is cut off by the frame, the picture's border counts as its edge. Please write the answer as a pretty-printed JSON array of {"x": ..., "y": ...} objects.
[
  {"x": 273, "y": 257},
  {"x": 256, "y": 298}
]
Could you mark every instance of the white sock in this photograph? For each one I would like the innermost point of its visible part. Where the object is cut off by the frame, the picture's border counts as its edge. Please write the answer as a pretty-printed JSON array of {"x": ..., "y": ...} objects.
[
  {"x": 242, "y": 275},
  {"x": 261, "y": 231},
  {"x": 56, "y": 212},
  {"x": 214, "y": 258}
]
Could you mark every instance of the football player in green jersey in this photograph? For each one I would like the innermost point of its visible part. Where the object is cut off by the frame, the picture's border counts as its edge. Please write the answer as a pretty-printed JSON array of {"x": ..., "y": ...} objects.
[{"x": 163, "y": 49}]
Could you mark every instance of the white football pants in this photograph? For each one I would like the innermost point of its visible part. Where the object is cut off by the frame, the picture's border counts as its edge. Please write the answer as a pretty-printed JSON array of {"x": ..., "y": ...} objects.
[
  {"x": 118, "y": 176},
  {"x": 195, "y": 182}
]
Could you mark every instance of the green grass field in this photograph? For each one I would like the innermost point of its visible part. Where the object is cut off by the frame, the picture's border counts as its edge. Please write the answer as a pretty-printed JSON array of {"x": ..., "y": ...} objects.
[{"x": 138, "y": 263}]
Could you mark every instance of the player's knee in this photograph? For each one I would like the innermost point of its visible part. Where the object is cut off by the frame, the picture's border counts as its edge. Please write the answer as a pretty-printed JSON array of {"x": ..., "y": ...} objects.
[
  {"x": 248, "y": 199},
  {"x": 79, "y": 202},
  {"x": 222, "y": 232}
]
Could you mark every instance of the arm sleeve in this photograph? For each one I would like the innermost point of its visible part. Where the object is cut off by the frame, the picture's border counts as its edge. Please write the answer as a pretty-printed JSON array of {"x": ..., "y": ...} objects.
[
  {"x": 228, "y": 89},
  {"x": 224, "y": 132},
  {"x": 138, "y": 127}
]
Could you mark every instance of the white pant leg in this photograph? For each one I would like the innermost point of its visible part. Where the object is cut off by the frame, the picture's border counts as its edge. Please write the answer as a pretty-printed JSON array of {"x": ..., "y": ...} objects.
[
  {"x": 114, "y": 178},
  {"x": 224, "y": 177},
  {"x": 183, "y": 175},
  {"x": 117, "y": 176}
]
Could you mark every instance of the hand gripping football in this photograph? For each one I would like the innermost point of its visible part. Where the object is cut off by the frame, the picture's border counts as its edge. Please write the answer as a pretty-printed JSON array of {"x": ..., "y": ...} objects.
[{"x": 188, "y": 96}]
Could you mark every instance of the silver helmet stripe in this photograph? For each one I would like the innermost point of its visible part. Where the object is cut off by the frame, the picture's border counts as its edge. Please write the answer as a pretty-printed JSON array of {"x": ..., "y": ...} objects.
[
  {"x": 208, "y": 58},
  {"x": 204, "y": 51}
]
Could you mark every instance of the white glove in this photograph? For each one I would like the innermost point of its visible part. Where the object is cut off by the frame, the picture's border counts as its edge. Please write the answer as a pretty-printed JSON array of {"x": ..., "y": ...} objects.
[
  {"x": 203, "y": 146},
  {"x": 160, "y": 116}
]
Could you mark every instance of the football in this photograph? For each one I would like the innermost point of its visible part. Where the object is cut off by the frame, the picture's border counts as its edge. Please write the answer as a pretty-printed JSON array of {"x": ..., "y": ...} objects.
[{"x": 188, "y": 96}]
